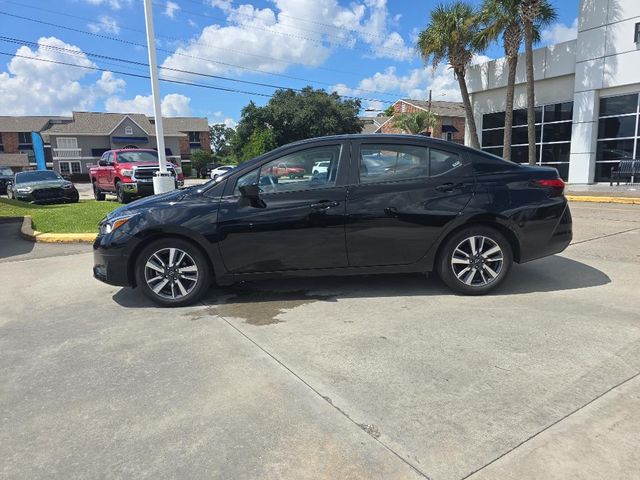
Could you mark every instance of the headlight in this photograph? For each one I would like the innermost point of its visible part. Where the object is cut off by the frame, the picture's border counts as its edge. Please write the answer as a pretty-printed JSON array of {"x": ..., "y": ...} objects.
[
  {"x": 108, "y": 226},
  {"x": 127, "y": 172},
  {"x": 67, "y": 185},
  {"x": 24, "y": 189}
]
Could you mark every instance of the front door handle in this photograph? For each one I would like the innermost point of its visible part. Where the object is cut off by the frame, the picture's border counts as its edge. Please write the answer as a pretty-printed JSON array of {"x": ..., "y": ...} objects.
[
  {"x": 448, "y": 187},
  {"x": 324, "y": 205}
]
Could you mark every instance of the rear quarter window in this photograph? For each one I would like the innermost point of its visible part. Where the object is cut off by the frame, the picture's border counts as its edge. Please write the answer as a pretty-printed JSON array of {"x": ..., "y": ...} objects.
[{"x": 486, "y": 164}]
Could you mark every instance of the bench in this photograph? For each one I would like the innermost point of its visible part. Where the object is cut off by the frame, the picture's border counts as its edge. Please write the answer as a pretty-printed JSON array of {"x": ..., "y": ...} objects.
[{"x": 625, "y": 169}]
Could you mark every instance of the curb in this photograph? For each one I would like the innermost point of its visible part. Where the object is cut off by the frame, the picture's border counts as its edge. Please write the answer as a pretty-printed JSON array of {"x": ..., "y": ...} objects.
[
  {"x": 595, "y": 199},
  {"x": 28, "y": 233}
]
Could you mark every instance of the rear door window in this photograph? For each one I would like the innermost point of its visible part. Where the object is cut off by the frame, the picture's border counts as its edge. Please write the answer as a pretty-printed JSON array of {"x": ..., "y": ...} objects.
[{"x": 388, "y": 162}]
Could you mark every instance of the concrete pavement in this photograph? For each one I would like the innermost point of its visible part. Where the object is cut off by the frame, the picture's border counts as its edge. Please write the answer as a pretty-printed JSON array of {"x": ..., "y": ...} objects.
[{"x": 364, "y": 377}]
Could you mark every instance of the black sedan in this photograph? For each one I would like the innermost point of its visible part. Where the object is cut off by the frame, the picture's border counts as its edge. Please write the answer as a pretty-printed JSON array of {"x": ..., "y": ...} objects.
[
  {"x": 42, "y": 186},
  {"x": 386, "y": 203}
]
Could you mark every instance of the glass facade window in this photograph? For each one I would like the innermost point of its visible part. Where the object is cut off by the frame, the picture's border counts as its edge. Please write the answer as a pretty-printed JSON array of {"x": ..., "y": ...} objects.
[
  {"x": 618, "y": 133},
  {"x": 553, "y": 135}
]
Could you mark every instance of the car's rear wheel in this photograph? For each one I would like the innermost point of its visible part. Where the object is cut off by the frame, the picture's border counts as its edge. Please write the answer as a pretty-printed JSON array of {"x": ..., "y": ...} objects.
[
  {"x": 475, "y": 260},
  {"x": 97, "y": 193},
  {"x": 172, "y": 272}
]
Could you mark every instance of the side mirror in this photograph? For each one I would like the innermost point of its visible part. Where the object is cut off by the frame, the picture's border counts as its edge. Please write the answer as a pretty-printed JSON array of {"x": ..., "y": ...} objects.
[
  {"x": 250, "y": 195},
  {"x": 102, "y": 163},
  {"x": 252, "y": 192}
]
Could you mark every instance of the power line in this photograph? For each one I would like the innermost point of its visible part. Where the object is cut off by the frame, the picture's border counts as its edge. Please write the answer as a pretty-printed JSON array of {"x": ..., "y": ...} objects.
[
  {"x": 143, "y": 64},
  {"x": 207, "y": 44},
  {"x": 128, "y": 42},
  {"x": 163, "y": 79}
]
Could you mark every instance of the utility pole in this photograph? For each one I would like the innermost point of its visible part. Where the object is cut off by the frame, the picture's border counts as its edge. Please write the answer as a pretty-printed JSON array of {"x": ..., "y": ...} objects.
[{"x": 163, "y": 181}]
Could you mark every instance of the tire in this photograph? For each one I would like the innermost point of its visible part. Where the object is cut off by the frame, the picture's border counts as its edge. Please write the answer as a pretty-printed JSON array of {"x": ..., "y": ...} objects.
[
  {"x": 292, "y": 176},
  {"x": 315, "y": 172},
  {"x": 164, "y": 288},
  {"x": 97, "y": 194},
  {"x": 477, "y": 274},
  {"x": 121, "y": 195},
  {"x": 215, "y": 177}
]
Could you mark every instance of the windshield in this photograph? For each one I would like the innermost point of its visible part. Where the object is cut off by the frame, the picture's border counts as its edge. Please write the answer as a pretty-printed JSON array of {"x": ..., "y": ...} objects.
[
  {"x": 6, "y": 171},
  {"x": 141, "y": 156},
  {"x": 39, "y": 176}
]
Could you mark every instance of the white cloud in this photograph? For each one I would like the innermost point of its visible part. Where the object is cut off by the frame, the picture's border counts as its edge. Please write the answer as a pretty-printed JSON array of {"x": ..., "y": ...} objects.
[
  {"x": 171, "y": 8},
  {"x": 173, "y": 105},
  {"x": 559, "y": 33},
  {"x": 415, "y": 84},
  {"x": 105, "y": 24},
  {"x": 219, "y": 117},
  {"x": 113, "y": 4},
  {"x": 32, "y": 87},
  {"x": 272, "y": 37},
  {"x": 191, "y": 23}
]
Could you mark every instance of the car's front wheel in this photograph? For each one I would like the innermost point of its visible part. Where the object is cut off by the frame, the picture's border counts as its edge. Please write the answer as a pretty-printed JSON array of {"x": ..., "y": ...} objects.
[
  {"x": 475, "y": 260},
  {"x": 121, "y": 195},
  {"x": 172, "y": 272}
]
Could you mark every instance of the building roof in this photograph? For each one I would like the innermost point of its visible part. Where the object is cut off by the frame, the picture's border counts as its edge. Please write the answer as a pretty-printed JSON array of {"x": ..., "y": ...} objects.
[
  {"x": 439, "y": 107},
  {"x": 373, "y": 124},
  {"x": 26, "y": 124},
  {"x": 185, "y": 124},
  {"x": 100, "y": 123}
]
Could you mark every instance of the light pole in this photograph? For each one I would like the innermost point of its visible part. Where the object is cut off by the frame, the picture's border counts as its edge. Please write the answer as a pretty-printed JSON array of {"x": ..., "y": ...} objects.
[{"x": 163, "y": 181}]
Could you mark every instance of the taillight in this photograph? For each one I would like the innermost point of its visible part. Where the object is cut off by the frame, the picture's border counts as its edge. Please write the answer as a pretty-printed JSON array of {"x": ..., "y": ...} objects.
[{"x": 555, "y": 185}]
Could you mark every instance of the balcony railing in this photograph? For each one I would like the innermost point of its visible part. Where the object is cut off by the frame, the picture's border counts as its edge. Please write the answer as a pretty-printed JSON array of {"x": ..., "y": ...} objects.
[{"x": 66, "y": 153}]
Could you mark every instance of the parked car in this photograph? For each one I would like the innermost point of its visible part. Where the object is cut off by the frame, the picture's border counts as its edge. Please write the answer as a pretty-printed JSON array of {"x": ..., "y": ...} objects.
[
  {"x": 464, "y": 213},
  {"x": 205, "y": 170},
  {"x": 286, "y": 170},
  {"x": 218, "y": 172},
  {"x": 128, "y": 173},
  {"x": 320, "y": 167},
  {"x": 6, "y": 176},
  {"x": 42, "y": 186}
]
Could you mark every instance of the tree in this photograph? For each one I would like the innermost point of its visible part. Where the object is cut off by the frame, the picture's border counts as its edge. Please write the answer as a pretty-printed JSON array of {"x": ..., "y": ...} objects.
[
  {"x": 389, "y": 111},
  {"x": 532, "y": 13},
  {"x": 416, "y": 122},
  {"x": 199, "y": 159},
  {"x": 261, "y": 141},
  {"x": 290, "y": 116},
  {"x": 453, "y": 34},
  {"x": 220, "y": 136}
]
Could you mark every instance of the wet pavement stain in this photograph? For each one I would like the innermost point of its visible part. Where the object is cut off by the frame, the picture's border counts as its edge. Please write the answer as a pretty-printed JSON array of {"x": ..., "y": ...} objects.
[{"x": 256, "y": 307}]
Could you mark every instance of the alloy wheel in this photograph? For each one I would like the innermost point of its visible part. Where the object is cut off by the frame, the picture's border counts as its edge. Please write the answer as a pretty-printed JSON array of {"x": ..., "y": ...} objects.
[
  {"x": 477, "y": 261},
  {"x": 171, "y": 273}
]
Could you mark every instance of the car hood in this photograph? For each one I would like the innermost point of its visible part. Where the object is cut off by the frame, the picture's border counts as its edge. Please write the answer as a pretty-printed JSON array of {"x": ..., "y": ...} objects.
[
  {"x": 44, "y": 184},
  {"x": 142, "y": 164},
  {"x": 156, "y": 201}
]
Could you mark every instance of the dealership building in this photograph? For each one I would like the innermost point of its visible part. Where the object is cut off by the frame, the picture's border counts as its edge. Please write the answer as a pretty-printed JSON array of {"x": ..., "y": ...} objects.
[{"x": 587, "y": 95}]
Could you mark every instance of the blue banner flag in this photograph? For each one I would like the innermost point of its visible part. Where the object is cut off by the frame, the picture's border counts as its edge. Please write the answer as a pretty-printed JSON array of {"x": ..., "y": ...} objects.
[{"x": 38, "y": 150}]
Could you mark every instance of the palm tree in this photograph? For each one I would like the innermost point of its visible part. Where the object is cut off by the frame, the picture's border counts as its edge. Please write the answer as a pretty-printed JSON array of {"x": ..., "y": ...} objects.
[
  {"x": 452, "y": 34},
  {"x": 532, "y": 13},
  {"x": 416, "y": 122},
  {"x": 502, "y": 18}
]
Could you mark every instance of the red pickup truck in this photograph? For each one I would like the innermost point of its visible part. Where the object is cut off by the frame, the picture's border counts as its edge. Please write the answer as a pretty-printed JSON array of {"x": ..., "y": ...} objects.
[{"x": 128, "y": 173}]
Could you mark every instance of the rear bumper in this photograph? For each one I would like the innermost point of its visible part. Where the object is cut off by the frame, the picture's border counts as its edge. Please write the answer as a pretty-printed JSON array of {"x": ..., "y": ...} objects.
[{"x": 549, "y": 235}]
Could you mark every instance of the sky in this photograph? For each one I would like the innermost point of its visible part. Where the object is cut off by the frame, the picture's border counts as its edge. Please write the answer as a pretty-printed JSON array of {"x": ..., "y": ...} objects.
[{"x": 359, "y": 48}]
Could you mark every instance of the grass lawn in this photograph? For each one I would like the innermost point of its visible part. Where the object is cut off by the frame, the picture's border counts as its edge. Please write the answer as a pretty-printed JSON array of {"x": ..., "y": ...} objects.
[{"x": 82, "y": 217}]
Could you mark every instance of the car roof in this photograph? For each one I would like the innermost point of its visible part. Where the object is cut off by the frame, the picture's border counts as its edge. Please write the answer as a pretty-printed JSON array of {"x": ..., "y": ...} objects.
[{"x": 133, "y": 150}]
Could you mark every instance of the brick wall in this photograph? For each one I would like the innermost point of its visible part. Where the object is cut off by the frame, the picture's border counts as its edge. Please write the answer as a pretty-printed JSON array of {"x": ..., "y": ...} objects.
[
  {"x": 184, "y": 147},
  {"x": 205, "y": 141},
  {"x": 457, "y": 122},
  {"x": 10, "y": 142}
]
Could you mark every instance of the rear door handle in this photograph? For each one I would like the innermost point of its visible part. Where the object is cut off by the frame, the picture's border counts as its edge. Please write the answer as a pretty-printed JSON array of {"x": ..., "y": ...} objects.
[
  {"x": 448, "y": 187},
  {"x": 324, "y": 205}
]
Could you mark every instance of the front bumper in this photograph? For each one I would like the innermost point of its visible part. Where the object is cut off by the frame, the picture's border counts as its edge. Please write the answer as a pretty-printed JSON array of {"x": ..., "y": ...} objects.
[
  {"x": 63, "y": 196},
  {"x": 110, "y": 266},
  {"x": 143, "y": 188}
]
